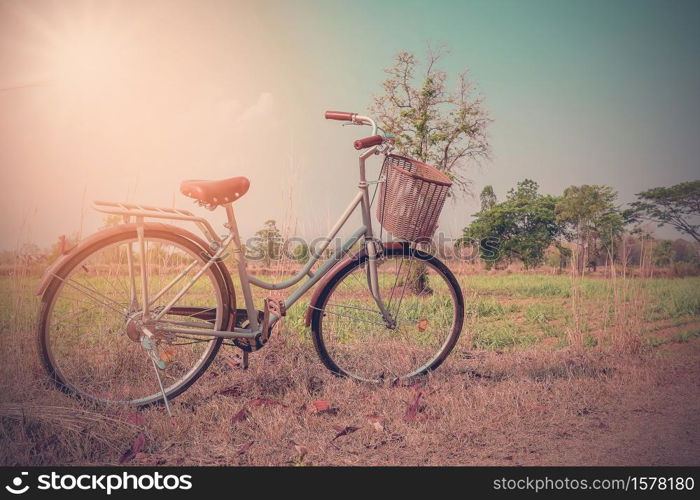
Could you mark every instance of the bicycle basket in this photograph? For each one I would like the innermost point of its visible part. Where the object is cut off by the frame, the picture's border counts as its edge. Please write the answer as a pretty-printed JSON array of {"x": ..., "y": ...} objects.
[{"x": 411, "y": 199}]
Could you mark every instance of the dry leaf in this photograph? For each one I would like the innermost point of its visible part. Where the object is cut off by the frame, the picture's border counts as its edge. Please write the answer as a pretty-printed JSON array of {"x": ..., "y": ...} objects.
[
  {"x": 245, "y": 447},
  {"x": 343, "y": 431},
  {"x": 168, "y": 355},
  {"x": 376, "y": 421},
  {"x": 234, "y": 362},
  {"x": 422, "y": 324},
  {"x": 136, "y": 446},
  {"x": 231, "y": 363},
  {"x": 414, "y": 407},
  {"x": 233, "y": 391},
  {"x": 240, "y": 416},
  {"x": 301, "y": 450},
  {"x": 320, "y": 405},
  {"x": 135, "y": 419}
]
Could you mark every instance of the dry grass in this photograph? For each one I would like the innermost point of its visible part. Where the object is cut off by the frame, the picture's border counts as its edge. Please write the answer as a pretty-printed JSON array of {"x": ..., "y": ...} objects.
[{"x": 529, "y": 403}]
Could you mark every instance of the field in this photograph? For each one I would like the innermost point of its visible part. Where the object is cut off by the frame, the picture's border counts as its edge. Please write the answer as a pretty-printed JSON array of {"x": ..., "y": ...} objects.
[{"x": 549, "y": 370}]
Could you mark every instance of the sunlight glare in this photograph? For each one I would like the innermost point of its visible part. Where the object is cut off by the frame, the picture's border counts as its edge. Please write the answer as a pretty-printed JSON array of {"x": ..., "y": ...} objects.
[{"x": 85, "y": 62}]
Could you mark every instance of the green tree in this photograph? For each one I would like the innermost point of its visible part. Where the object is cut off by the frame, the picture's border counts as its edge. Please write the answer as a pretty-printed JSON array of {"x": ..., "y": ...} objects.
[
  {"x": 267, "y": 243},
  {"x": 591, "y": 219},
  {"x": 677, "y": 206},
  {"x": 488, "y": 198},
  {"x": 301, "y": 253},
  {"x": 686, "y": 251},
  {"x": 663, "y": 254},
  {"x": 521, "y": 227}
]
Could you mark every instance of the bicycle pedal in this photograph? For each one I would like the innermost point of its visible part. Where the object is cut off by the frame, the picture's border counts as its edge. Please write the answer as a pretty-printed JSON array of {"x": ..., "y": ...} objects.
[{"x": 275, "y": 306}]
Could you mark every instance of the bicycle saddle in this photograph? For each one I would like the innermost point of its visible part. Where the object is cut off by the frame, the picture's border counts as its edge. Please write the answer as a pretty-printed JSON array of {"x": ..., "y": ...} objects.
[{"x": 216, "y": 192}]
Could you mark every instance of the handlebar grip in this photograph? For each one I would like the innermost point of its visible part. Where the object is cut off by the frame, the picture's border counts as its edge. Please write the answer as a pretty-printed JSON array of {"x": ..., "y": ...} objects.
[
  {"x": 339, "y": 115},
  {"x": 374, "y": 140}
]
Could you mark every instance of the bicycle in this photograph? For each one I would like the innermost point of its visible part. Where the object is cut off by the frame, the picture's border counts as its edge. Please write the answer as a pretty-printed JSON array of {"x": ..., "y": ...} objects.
[{"x": 135, "y": 313}]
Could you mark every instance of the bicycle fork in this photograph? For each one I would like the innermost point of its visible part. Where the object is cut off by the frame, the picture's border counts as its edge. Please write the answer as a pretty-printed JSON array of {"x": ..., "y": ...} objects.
[{"x": 373, "y": 279}]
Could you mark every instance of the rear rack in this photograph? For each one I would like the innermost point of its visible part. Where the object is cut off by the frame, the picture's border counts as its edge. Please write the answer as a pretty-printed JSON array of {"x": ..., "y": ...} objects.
[{"x": 128, "y": 210}]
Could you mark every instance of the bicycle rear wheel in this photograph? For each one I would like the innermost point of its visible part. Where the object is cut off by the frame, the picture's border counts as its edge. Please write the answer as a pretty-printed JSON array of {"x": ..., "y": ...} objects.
[
  {"x": 349, "y": 331},
  {"x": 90, "y": 328}
]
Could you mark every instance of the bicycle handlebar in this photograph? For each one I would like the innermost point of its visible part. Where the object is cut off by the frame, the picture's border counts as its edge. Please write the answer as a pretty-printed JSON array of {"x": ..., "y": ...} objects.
[
  {"x": 373, "y": 140},
  {"x": 340, "y": 115},
  {"x": 356, "y": 119}
]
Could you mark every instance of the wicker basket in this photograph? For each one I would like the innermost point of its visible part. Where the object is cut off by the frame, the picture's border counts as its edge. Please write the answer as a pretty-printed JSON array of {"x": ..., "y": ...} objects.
[{"x": 411, "y": 198}]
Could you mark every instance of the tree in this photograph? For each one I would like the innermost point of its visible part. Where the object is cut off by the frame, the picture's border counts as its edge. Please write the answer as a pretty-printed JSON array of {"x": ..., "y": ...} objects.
[
  {"x": 432, "y": 123},
  {"x": 63, "y": 245},
  {"x": 522, "y": 227},
  {"x": 686, "y": 251},
  {"x": 442, "y": 127},
  {"x": 301, "y": 253},
  {"x": 663, "y": 254},
  {"x": 267, "y": 243},
  {"x": 591, "y": 218},
  {"x": 677, "y": 206},
  {"x": 111, "y": 220},
  {"x": 488, "y": 198}
]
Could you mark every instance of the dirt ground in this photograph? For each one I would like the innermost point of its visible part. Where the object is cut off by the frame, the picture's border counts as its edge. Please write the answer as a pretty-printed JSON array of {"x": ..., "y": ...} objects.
[{"x": 523, "y": 407}]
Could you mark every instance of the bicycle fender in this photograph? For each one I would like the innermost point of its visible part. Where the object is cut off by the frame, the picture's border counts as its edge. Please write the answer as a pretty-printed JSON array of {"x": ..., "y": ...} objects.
[{"x": 58, "y": 264}]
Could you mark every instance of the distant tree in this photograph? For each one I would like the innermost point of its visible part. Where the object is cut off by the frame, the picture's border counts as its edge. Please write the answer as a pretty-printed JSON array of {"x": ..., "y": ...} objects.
[
  {"x": 591, "y": 219},
  {"x": 301, "y": 253},
  {"x": 608, "y": 230},
  {"x": 525, "y": 190},
  {"x": 522, "y": 227},
  {"x": 662, "y": 255},
  {"x": 267, "y": 243},
  {"x": 686, "y": 251},
  {"x": 677, "y": 206},
  {"x": 111, "y": 220},
  {"x": 488, "y": 198},
  {"x": 564, "y": 255},
  {"x": 64, "y": 244}
]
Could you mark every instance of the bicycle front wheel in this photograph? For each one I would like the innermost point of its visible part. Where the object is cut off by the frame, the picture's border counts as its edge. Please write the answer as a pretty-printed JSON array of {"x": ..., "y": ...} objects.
[
  {"x": 92, "y": 329},
  {"x": 424, "y": 300}
]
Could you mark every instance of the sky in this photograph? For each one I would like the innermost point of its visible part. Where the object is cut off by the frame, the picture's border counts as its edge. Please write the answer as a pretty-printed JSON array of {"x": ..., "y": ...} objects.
[{"x": 121, "y": 100}]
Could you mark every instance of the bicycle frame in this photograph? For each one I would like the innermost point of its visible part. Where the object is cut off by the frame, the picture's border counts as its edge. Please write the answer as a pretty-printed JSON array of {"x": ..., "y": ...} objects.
[{"x": 139, "y": 212}]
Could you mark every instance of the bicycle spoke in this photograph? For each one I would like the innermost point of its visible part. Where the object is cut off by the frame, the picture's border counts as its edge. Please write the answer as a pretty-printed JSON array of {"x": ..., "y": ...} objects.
[
  {"x": 361, "y": 344},
  {"x": 113, "y": 305},
  {"x": 91, "y": 331}
]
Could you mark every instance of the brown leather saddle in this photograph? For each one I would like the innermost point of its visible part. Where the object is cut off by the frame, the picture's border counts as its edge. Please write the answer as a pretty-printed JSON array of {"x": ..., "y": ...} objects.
[{"x": 216, "y": 192}]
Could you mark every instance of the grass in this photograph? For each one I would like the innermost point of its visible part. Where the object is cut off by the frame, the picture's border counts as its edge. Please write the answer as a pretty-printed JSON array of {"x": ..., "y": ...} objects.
[{"x": 518, "y": 389}]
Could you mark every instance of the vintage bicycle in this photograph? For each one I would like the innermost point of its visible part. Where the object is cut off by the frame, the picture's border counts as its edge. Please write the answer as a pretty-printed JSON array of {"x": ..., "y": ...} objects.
[{"x": 135, "y": 313}]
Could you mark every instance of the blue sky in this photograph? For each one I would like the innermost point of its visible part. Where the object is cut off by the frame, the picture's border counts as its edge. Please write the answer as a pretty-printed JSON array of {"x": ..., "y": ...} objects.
[{"x": 580, "y": 92}]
